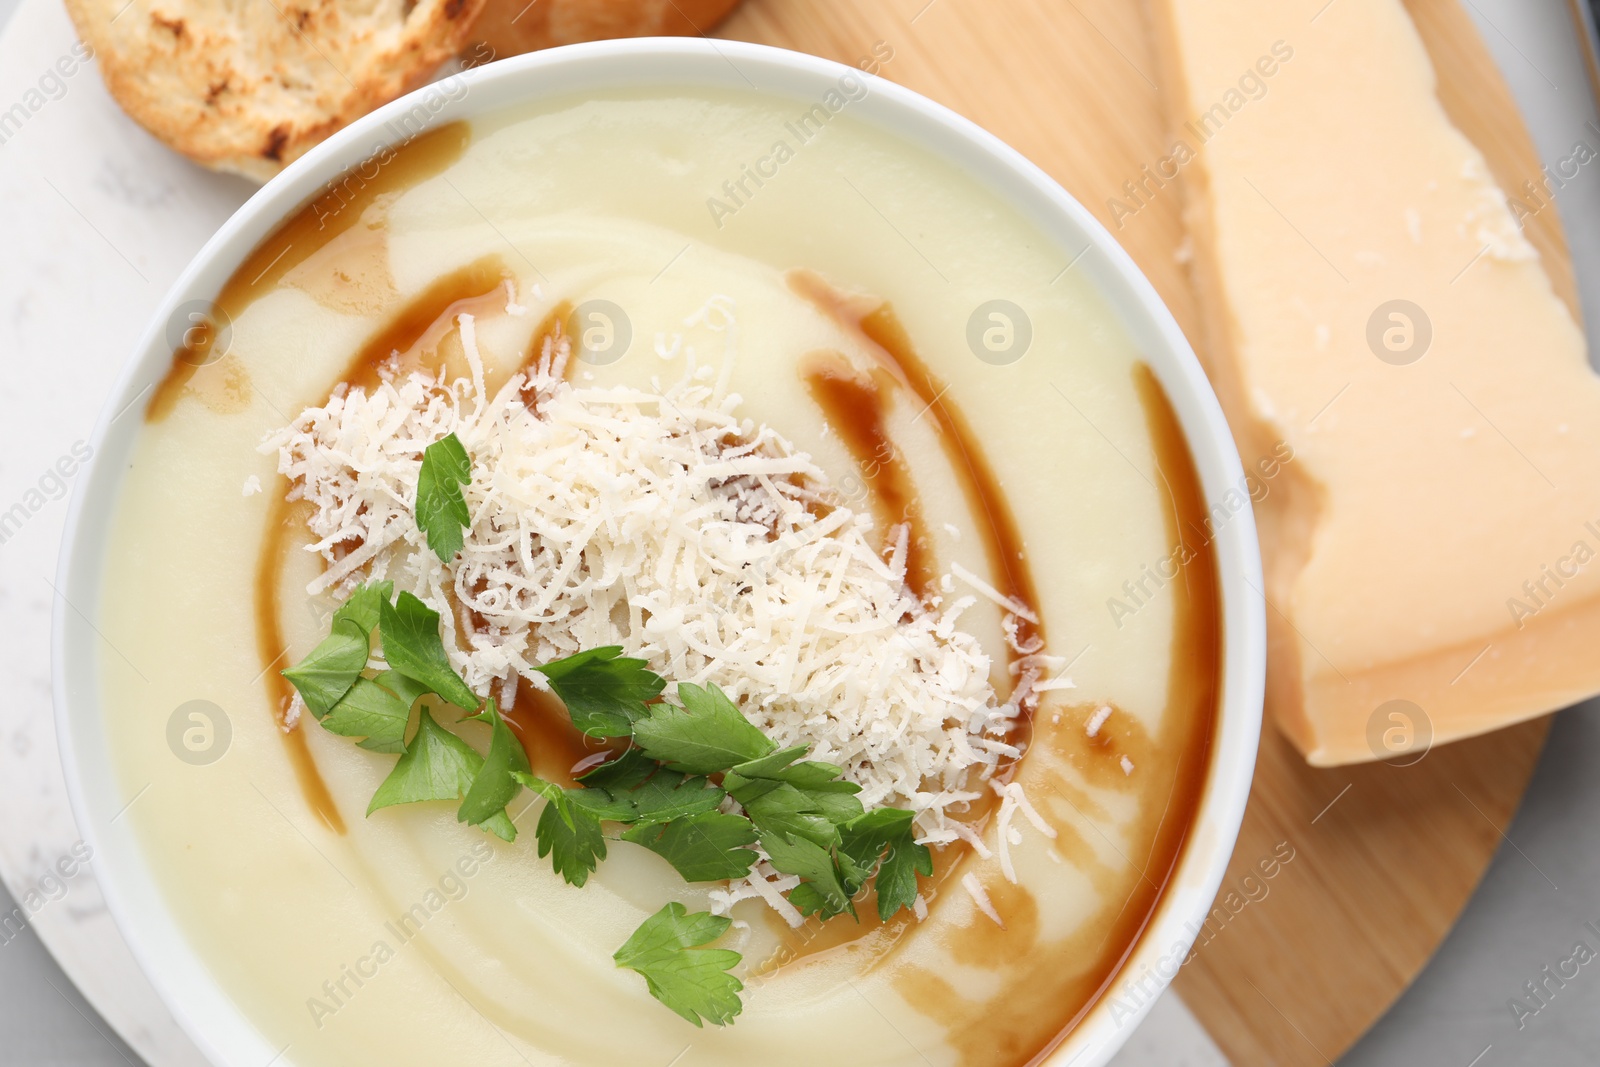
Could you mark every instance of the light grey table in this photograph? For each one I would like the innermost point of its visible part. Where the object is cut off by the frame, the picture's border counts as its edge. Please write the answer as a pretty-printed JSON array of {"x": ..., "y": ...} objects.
[
  {"x": 44, "y": 1021},
  {"x": 1537, "y": 900}
]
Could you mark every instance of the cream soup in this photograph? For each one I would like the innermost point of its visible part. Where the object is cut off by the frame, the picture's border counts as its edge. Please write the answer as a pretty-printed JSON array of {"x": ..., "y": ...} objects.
[{"x": 718, "y": 237}]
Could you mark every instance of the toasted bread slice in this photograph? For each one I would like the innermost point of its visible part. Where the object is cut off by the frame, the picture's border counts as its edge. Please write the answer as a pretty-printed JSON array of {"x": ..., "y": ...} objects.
[
  {"x": 511, "y": 27},
  {"x": 248, "y": 87}
]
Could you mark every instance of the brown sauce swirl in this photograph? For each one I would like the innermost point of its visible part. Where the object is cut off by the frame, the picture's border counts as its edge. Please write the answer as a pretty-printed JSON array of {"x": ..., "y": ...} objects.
[
  {"x": 856, "y": 403},
  {"x": 284, "y": 520},
  {"x": 423, "y": 335},
  {"x": 875, "y": 324},
  {"x": 857, "y": 406},
  {"x": 1041, "y": 983},
  {"x": 330, "y": 214}
]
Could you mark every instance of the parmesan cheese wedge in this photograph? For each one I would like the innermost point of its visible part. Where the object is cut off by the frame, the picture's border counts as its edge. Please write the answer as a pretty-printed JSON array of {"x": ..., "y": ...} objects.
[{"x": 1373, "y": 308}]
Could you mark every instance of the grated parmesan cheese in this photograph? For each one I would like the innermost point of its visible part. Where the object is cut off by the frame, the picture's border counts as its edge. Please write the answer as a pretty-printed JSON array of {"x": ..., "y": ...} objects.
[
  {"x": 765, "y": 883},
  {"x": 1012, "y": 800},
  {"x": 980, "y": 897},
  {"x": 662, "y": 522},
  {"x": 1006, "y": 603}
]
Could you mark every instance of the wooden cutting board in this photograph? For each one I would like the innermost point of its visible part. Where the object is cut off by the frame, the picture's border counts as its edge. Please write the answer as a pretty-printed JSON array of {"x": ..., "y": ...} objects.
[{"x": 1384, "y": 857}]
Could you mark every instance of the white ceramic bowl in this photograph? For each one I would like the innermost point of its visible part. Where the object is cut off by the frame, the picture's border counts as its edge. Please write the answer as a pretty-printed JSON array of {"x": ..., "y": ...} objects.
[{"x": 155, "y": 934}]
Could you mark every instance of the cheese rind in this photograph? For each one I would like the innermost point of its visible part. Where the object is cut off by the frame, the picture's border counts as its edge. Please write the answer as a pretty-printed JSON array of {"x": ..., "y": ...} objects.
[{"x": 1372, "y": 303}]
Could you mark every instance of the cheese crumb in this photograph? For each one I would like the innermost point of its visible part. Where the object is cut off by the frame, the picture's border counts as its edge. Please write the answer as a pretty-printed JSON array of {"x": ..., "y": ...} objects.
[
  {"x": 1127, "y": 765},
  {"x": 514, "y": 309},
  {"x": 1097, "y": 720},
  {"x": 1050, "y": 684},
  {"x": 291, "y": 714},
  {"x": 252, "y": 485}
]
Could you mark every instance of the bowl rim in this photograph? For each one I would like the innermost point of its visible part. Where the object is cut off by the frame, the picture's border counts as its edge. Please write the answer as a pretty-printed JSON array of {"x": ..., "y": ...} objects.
[{"x": 174, "y": 966}]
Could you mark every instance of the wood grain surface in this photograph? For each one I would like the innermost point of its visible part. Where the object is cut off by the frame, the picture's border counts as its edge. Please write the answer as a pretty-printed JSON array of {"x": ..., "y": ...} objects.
[{"x": 1385, "y": 857}]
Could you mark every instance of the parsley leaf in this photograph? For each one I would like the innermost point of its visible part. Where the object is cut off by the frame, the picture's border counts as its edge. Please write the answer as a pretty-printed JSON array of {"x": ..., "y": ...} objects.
[
  {"x": 413, "y": 647},
  {"x": 810, "y": 775},
  {"x": 604, "y": 691},
  {"x": 668, "y": 795},
  {"x": 708, "y": 847},
  {"x": 402, "y": 687},
  {"x": 866, "y": 838},
  {"x": 638, "y": 789},
  {"x": 602, "y": 805},
  {"x": 568, "y": 833},
  {"x": 441, "y": 509},
  {"x": 806, "y": 800},
  {"x": 572, "y": 838},
  {"x": 707, "y": 735},
  {"x": 813, "y": 816},
  {"x": 437, "y": 765},
  {"x": 773, "y": 765},
  {"x": 824, "y": 890},
  {"x": 692, "y": 981},
  {"x": 361, "y": 606},
  {"x": 493, "y": 787},
  {"x": 374, "y": 712},
  {"x": 330, "y": 669},
  {"x": 627, "y": 771}
]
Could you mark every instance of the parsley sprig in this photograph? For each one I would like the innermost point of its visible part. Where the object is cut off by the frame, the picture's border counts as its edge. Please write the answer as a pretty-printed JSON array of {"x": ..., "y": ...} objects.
[{"x": 698, "y": 784}]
